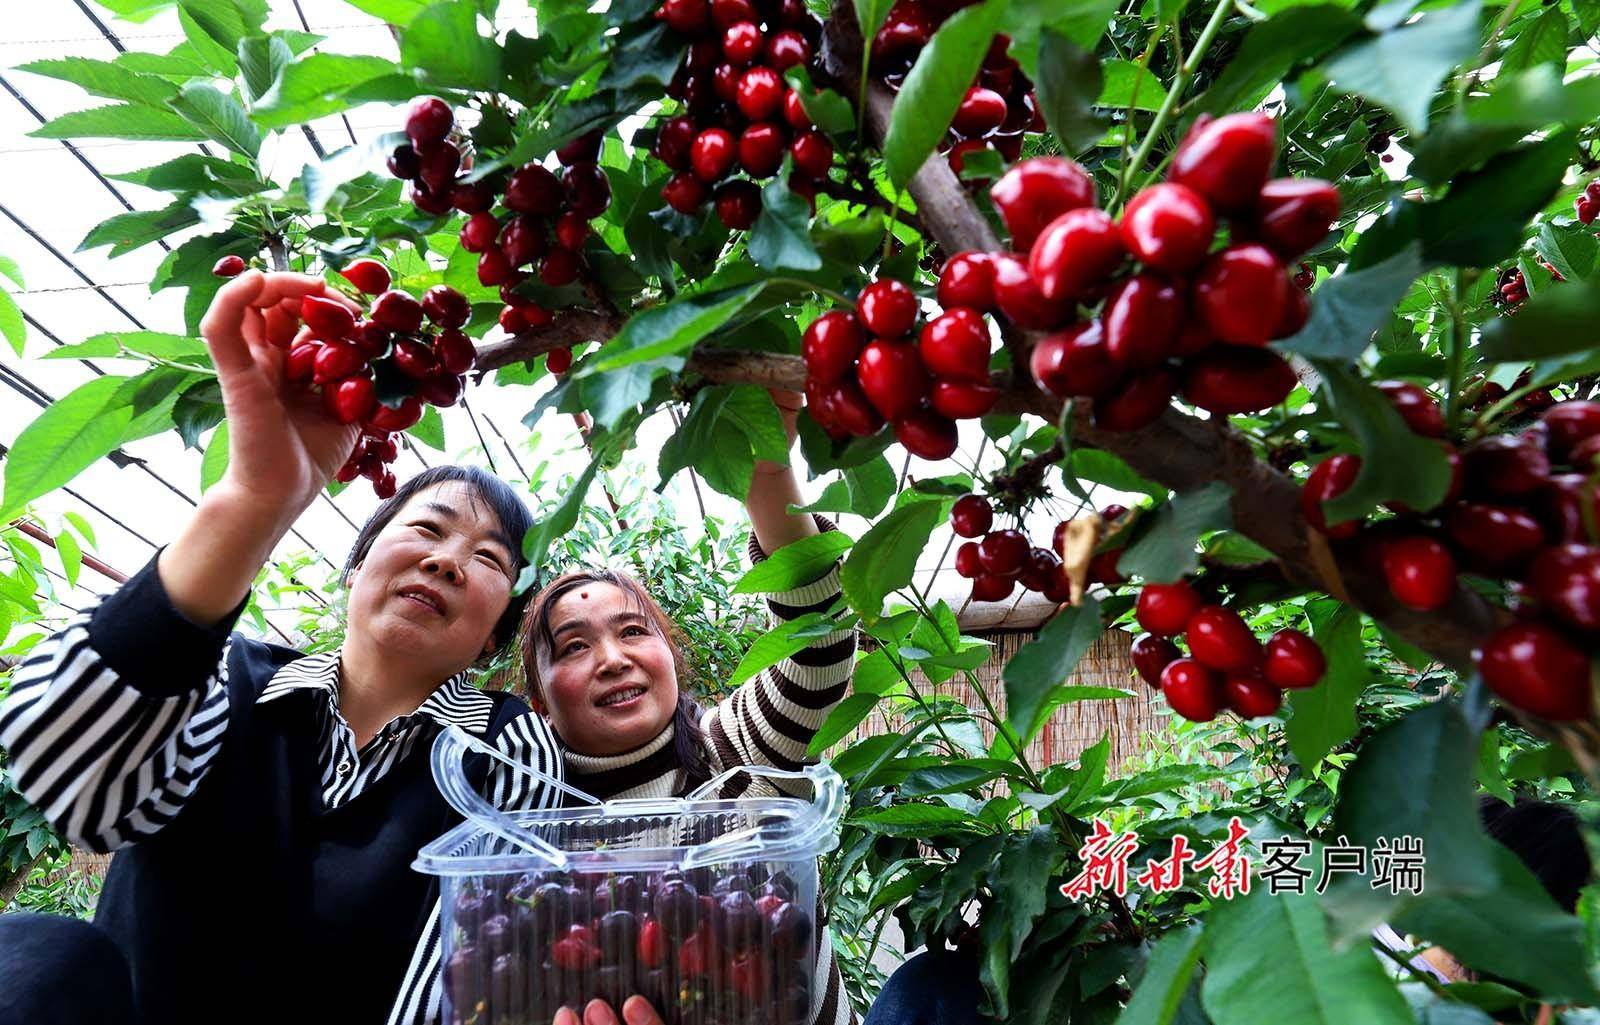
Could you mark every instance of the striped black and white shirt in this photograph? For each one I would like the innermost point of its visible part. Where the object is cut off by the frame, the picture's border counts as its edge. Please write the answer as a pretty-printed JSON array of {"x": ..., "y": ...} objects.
[{"x": 111, "y": 761}]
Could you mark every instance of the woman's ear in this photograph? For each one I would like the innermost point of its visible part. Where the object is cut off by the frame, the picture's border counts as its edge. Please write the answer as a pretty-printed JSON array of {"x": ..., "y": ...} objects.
[{"x": 489, "y": 645}]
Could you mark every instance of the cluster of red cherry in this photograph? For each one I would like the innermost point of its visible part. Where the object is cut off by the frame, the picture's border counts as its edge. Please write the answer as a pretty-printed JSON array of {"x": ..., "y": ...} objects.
[
  {"x": 999, "y": 106},
  {"x": 1587, "y": 206},
  {"x": 1520, "y": 508},
  {"x": 1186, "y": 318},
  {"x": 544, "y": 223},
  {"x": 997, "y": 560},
  {"x": 1227, "y": 666},
  {"x": 1512, "y": 289},
  {"x": 345, "y": 358},
  {"x": 741, "y": 115}
]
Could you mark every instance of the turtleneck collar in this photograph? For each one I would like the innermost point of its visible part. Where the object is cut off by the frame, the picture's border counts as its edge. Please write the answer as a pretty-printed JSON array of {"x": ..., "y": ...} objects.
[{"x": 605, "y": 776}]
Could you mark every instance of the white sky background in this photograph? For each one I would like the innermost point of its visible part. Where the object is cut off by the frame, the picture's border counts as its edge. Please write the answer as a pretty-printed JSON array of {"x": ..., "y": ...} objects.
[{"x": 49, "y": 190}]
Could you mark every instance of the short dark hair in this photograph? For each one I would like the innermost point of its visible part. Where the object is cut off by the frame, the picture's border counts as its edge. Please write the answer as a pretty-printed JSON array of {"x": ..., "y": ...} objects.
[
  {"x": 1546, "y": 837},
  {"x": 510, "y": 512}
]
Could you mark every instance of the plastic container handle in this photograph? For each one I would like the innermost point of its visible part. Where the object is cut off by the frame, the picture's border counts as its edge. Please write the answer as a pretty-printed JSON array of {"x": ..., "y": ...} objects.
[
  {"x": 828, "y": 796},
  {"x": 449, "y": 752}
]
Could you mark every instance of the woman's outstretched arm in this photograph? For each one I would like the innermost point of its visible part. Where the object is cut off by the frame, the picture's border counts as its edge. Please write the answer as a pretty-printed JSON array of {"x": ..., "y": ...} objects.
[{"x": 773, "y": 488}]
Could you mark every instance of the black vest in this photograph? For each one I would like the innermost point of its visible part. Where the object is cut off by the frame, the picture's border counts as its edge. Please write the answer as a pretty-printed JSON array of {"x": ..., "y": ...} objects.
[{"x": 257, "y": 903}]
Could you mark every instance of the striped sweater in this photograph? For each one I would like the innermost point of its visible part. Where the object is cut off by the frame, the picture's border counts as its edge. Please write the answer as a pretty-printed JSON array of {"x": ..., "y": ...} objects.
[{"x": 769, "y": 720}]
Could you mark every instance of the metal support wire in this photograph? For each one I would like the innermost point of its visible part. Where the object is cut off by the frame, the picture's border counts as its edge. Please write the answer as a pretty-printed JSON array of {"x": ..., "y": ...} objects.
[
  {"x": 476, "y": 430},
  {"x": 509, "y": 450},
  {"x": 51, "y": 335},
  {"x": 59, "y": 255}
]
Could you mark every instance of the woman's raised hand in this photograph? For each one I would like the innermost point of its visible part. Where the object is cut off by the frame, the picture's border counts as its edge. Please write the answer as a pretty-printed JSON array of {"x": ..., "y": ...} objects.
[
  {"x": 637, "y": 1011},
  {"x": 282, "y": 447}
]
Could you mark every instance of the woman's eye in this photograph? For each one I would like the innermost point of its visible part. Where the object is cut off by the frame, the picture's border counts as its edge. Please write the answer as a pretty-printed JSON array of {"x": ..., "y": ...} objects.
[
  {"x": 426, "y": 528},
  {"x": 637, "y": 627}
]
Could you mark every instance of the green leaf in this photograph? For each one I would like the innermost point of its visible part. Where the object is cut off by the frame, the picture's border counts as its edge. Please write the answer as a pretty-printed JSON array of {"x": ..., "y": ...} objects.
[
  {"x": 779, "y": 643},
  {"x": 561, "y": 520},
  {"x": 261, "y": 60},
  {"x": 781, "y": 237},
  {"x": 1069, "y": 84},
  {"x": 217, "y": 56},
  {"x": 1102, "y": 467},
  {"x": 82, "y": 526},
  {"x": 194, "y": 172},
  {"x": 1020, "y": 881},
  {"x": 1571, "y": 251},
  {"x": 1555, "y": 322},
  {"x": 1541, "y": 763},
  {"x": 870, "y": 16},
  {"x": 1350, "y": 308},
  {"x": 323, "y": 179},
  {"x": 315, "y": 86},
  {"x": 827, "y": 109},
  {"x": 147, "y": 343},
  {"x": 63, "y": 440},
  {"x": 443, "y": 43},
  {"x": 1325, "y": 715},
  {"x": 842, "y": 722},
  {"x": 215, "y": 462},
  {"x": 1166, "y": 978},
  {"x": 12, "y": 326},
  {"x": 1271, "y": 48},
  {"x": 226, "y": 22},
  {"x": 1519, "y": 104},
  {"x": 885, "y": 558},
  {"x": 121, "y": 121},
  {"x": 954, "y": 775},
  {"x": 1128, "y": 84},
  {"x": 104, "y": 78},
  {"x": 10, "y": 269},
  {"x": 1481, "y": 220},
  {"x": 1543, "y": 42},
  {"x": 1165, "y": 550},
  {"x": 795, "y": 564},
  {"x": 429, "y": 430},
  {"x": 1268, "y": 958},
  {"x": 1402, "y": 68},
  {"x": 934, "y": 88},
  {"x": 395, "y": 12},
  {"x": 669, "y": 329},
  {"x": 727, "y": 430},
  {"x": 1047, "y": 662},
  {"x": 863, "y": 490},
  {"x": 1396, "y": 464},
  {"x": 126, "y": 232},
  {"x": 916, "y": 820},
  {"x": 71, "y": 557}
]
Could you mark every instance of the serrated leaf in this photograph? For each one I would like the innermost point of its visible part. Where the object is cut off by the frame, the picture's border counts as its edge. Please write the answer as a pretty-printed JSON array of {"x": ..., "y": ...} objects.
[
  {"x": 841, "y": 722},
  {"x": 82, "y": 526},
  {"x": 261, "y": 60},
  {"x": 71, "y": 557},
  {"x": 121, "y": 121},
  {"x": 12, "y": 326},
  {"x": 916, "y": 820},
  {"x": 1324, "y": 716},
  {"x": 781, "y": 237},
  {"x": 885, "y": 558},
  {"x": 795, "y": 564},
  {"x": 1402, "y": 68},
  {"x": 1047, "y": 662},
  {"x": 429, "y": 430},
  {"x": 1542, "y": 42},
  {"x": 129, "y": 231},
  {"x": 443, "y": 44},
  {"x": 1482, "y": 218},
  {"x": 1127, "y": 84},
  {"x": 1273, "y": 47},
  {"x": 668, "y": 329},
  {"x": 215, "y": 462},
  {"x": 105, "y": 78},
  {"x": 779, "y": 643},
  {"x": 1571, "y": 252},
  {"x": 1166, "y": 978},
  {"x": 1165, "y": 550},
  {"x": 315, "y": 86},
  {"x": 76, "y": 429},
  {"x": 933, "y": 89}
]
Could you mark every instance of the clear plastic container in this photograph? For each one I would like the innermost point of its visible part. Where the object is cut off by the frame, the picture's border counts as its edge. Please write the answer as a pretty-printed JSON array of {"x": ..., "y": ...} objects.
[{"x": 707, "y": 908}]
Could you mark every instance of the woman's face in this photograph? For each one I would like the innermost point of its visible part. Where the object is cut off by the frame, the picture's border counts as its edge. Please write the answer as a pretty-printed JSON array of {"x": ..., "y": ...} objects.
[
  {"x": 608, "y": 682},
  {"x": 436, "y": 580}
]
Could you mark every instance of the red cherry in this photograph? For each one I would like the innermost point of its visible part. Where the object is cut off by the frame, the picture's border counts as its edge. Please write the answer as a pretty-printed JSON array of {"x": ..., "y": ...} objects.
[
  {"x": 1294, "y": 214},
  {"x": 1151, "y": 656},
  {"x": 439, "y": 163},
  {"x": 689, "y": 17},
  {"x": 1251, "y": 696},
  {"x": 887, "y": 307},
  {"x": 1534, "y": 668},
  {"x": 1415, "y": 406},
  {"x": 788, "y": 48},
  {"x": 1296, "y": 312},
  {"x": 1168, "y": 227},
  {"x": 971, "y": 516},
  {"x": 1164, "y": 609},
  {"x": 494, "y": 269},
  {"x": 445, "y": 306},
  {"x": 523, "y": 240},
  {"x": 1227, "y": 160},
  {"x": 830, "y": 345},
  {"x": 572, "y": 230},
  {"x": 1041, "y": 570},
  {"x": 957, "y": 155},
  {"x": 300, "y": 364},
  {"x": 673, "y": 140},
  {"x": 428, "y": 201},
  {"x": 1103, "y": 568},
  {"x": 1192, "y": 690},
  {"x": 414, "y": 359},
  {"x": 534, "y": 189},
  {"x": 384, "y": 487},
  {"x": 1219, "y": 639},
  {"x": 967, "y": 562},
  {"x": 962, "y": 400},
  {"x": 1497, "y": 538},
  {"x": 892, "y": 376},
  {"x": 713, "y": 154},
  {"x": 987, "y": 587},
  {"x": 853, "y": 410},
  {"x": 398, "y": 417},
  {"x": 1075, "y": 253},
  {"x": 441, "y": 391},
  {"x": 731, "y": 12},
  {"x": 794, "y": 111},
  {"x": 471, "y": 198},
  {"x": 585, "y": 149},
  {"x": 761, "y": 148},
  {"x": 428, "y": 120},
  {"x": 738, "y": 204},
  {"x": 397, "y": 311},
  {"x": 1571, "y": 423},
  {"x": 350, "y": 400},
  {"x": 478, "y": 234},
  {"x": 967, "y": 280},
  {"x": 560, "y": 267},
  {"x": 813, "y": 154},
  {"x": 558, "y": 361},
  {"x": 760, "y": 93},
  {"x": 684, "y": 192},
  {"x": 1142, "y": 318},
  {"x": 1035, "y": 192},
  {"x": 402, "y": 163},
  {"x": 908, "y": 27},
  {"x": 1018, "y": 296},
  {"x": 1241, "y": 293},
  {"x": 955, "y": 345},
  {"x": 229, "y": 266},
  {"x": 741, "y": 42},
  {"x": 1002, "y": 552},
  {"x": 981, "y": 112},
  {"x": 1329, "y": 479},
  {"x": 1137, "y": 401},
  {"x": 351, "y": 468},
  {"x": 512, "y": 321},
  {"x": 456, "y": 351},
  {"x": 1074, "y": 362},
  {"x": 367, "y": 276},
  {"x": 1584, "y": 454},
  {"x": 1293, "y": 660},
  {"x": 328, "y": 319},
  {"x": 1237, "y": 379},
  {"x": 1566, "y": 580},
  {"x": 1420, "y": 571},
  {"x": 588, "y": 190},
  {"x": 1505, "y": 465},
  {"x": 926, "y": 434}
]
